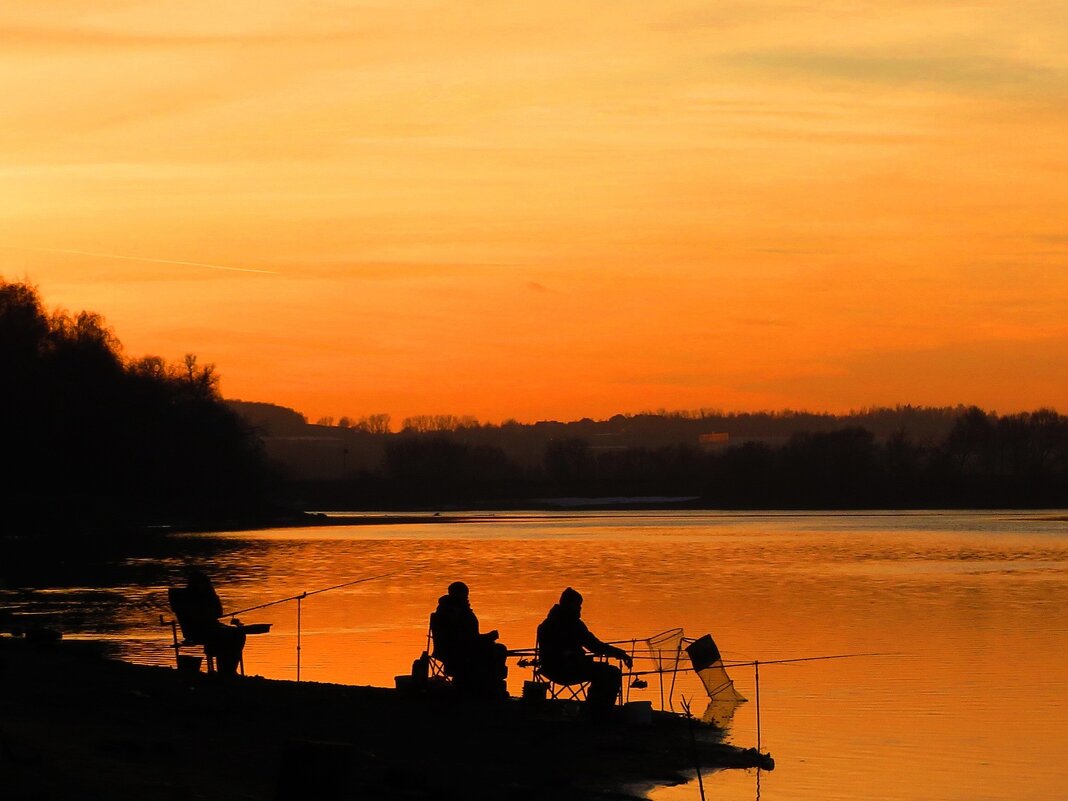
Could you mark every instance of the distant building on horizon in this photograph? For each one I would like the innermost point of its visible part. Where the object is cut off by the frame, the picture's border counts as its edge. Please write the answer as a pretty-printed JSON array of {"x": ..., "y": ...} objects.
[{"x": 716, "y": 439}]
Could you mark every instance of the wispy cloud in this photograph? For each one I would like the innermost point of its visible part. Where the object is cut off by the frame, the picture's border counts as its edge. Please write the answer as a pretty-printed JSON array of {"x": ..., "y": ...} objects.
[
  {"x": 94, "y": 37},
  {"x": 975, "y": 74},
  {"x": 148, "y": 259}
]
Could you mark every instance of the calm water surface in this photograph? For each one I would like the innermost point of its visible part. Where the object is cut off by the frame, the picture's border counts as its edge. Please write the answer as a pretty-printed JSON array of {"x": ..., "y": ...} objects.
[{"x": 970, "y": 701}]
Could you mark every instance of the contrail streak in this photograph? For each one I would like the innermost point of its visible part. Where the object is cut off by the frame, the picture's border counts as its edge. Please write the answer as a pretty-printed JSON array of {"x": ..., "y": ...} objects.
[{"x": 145, "y": 258}]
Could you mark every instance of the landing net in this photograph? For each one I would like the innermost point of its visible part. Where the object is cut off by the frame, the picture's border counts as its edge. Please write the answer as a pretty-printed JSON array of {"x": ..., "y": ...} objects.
[{"x": 662, "y": 657}]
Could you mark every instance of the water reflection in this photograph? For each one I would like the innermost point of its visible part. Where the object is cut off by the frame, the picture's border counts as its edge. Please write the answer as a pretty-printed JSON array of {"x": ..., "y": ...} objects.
[{"x": 973, "y": 603}]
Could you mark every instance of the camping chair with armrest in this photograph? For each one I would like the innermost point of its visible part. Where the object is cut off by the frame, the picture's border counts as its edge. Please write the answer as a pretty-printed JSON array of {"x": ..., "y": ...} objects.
[
  {"x": 555, "y": 689},
  {"x": 465, "y": 665},
  {"x": 435, "y": 665},
  {"x": 194, "y": 628},
  {"x": 183, "y": 621}
]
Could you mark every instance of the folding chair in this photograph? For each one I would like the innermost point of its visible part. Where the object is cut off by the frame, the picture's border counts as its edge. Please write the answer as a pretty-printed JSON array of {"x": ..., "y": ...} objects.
[
  {"x": 191, "y": 630},
  {"x": 435, "y": 666},
  {"x": 181, "y": 621},
  {"x": 555, "y": 690}
]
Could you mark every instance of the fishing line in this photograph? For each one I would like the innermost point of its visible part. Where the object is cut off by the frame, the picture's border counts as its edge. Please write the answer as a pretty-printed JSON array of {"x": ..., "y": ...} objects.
[
  {"x": 809, "y": 659},
  {"x": 121, "y": 257},
  {"x": 300, "y": 599},
  {"x": 304, "y": 595},
  {"x": 755, "y": 662}
]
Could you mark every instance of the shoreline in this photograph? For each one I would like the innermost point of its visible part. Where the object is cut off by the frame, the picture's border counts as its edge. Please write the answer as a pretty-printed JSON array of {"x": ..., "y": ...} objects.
[
  {"x": 78, "y": 725},
  {"x": 117, "y": 535},
  {"x": 342, "y": 518}
]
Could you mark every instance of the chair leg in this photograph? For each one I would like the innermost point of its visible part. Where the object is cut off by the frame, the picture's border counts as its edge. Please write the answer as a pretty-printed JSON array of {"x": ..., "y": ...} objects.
[
  {"x": 568, "y": 692},
  {"x": 174, "y": 636}
]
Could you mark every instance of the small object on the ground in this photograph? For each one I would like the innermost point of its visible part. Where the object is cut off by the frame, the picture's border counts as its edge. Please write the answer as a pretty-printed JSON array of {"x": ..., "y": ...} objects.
[
  {"x": 535, "y": 691},
  {"x": 638, "y": 713},
  {"x": 188, "y": 663},
  {"x": 40, "y": 634}
]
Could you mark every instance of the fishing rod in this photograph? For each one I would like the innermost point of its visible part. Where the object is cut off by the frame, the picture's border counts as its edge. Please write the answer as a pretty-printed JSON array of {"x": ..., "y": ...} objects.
[
  {"x": 300, "y": 599},
  {"x": 809, "y": 659},
  {"x": 753, "y": 663},
  {"x": 756, "y": 663},
  {"x": 304, "y": 595}
]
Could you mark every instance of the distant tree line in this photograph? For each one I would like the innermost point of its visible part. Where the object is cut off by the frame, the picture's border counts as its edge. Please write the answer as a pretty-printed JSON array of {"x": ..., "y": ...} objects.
[
  {"x": 645, "y": 428},
  {"x": 94, "y": 439},
  {"x": 979, "y": 460}
]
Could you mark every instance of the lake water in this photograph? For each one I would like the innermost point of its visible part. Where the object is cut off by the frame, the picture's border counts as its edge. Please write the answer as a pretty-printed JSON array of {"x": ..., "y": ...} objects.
[{"x": 968, "y": 701}]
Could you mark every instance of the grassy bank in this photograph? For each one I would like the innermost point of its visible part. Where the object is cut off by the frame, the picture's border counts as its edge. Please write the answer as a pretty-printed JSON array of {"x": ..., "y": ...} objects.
[{"x": 74, "y": 725}]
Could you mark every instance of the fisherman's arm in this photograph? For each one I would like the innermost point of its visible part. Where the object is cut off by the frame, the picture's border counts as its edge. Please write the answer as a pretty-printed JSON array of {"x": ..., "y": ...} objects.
[{"x": 594, "y": 645}]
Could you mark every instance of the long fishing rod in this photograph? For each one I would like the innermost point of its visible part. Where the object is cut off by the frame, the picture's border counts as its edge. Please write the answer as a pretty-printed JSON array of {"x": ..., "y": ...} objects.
[
  {"x": 304, "y": 595},
  {"x": 809, "y": 659},
  {"x": 759, "y": 662},
  {"x": 300, "y": 599},
  {"x": 755, "y": 664}
]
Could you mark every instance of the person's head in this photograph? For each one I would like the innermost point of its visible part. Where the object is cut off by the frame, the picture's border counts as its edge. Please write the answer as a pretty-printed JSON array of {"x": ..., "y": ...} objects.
[
  {"x": 571, "y": 601},
  {"x": 195, "y": 577},
  {"x": 458, "y": 591}
]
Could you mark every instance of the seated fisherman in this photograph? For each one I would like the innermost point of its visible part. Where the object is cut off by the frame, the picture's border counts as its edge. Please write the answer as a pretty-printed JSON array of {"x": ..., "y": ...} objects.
[
  {"x": 475, "y": 660},
  {"x": 198, "y": 609},
  {"x": 563, "y": 642}
]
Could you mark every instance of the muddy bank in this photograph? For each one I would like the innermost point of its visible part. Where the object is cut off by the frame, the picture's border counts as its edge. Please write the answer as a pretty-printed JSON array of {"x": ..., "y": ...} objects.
[{"x": 74, "y": 725}]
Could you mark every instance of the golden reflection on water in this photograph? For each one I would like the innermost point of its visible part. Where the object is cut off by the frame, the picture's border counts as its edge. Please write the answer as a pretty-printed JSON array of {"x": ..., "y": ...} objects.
[{"x": 970, "y": 704}]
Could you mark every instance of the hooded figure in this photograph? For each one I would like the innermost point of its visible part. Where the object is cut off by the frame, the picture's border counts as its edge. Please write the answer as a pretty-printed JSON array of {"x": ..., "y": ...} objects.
[
  {"x": 475, "y": 660},
  {"x": 565, "y": 646},
  {"x": 198, "y": 609}
]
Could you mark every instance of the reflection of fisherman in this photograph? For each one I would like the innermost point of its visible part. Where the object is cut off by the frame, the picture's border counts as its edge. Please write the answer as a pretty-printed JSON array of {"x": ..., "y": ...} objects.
[
  {"x": 475, "y": 660},
  {"x": 201, "y": 610},
  {"x": 563, "y": 640}
]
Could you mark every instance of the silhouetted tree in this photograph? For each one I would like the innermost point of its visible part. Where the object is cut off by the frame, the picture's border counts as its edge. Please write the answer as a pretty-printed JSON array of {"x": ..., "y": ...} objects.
[
  {"x": 438, "y": 470},
  {"x": 92, "y": 438},
  {"x": 374, "y": 424}
]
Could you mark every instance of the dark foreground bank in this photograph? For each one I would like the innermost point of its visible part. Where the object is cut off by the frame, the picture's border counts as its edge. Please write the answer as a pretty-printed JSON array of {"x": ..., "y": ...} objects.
[{"x": 74, "y": 725}]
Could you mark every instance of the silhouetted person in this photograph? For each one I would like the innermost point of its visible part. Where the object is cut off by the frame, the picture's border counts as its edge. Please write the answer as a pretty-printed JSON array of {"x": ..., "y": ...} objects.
[
  {"x": 475, "y": 660},
  {"x": 198, "y": 609},
  {"x": 563, "y": 643}
]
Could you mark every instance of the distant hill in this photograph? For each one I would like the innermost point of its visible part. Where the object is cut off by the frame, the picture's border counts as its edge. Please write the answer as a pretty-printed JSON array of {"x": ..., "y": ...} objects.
[
  {"x": 270, "y": 419},
  {"x": 902, "y": 457},
  {"x": 316, "y": 452}
]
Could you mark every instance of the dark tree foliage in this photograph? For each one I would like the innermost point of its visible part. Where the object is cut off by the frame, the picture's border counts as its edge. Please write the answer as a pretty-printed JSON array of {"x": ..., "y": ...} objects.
[
  {"x": 93, "y": 439},
  {"x": 983, "y": 460},
  {"x": 436, "y": 470},
  {"x": 269, "y": 419}
]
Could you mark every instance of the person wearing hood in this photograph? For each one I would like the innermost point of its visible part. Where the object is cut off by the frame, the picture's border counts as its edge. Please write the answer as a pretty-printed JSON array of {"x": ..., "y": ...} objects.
[
  {"x": 474, "y": 659},
  {"x": 565, "y": 652},
  {"x": 198, "y": 609}
]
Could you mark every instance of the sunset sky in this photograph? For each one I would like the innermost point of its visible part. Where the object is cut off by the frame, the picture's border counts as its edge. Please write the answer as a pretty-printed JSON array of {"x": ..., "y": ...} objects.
[{"x": 552, "y": 209}]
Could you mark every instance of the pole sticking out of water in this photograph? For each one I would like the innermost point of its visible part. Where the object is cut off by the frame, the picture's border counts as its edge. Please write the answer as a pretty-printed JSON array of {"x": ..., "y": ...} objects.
[
  {"x": 299, "y": 599},
  {"x": 756, "y": 674}
]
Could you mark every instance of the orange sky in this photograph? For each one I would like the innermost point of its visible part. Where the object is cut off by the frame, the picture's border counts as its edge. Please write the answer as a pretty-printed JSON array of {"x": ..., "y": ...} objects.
[{"x": 552, "y": 209}]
